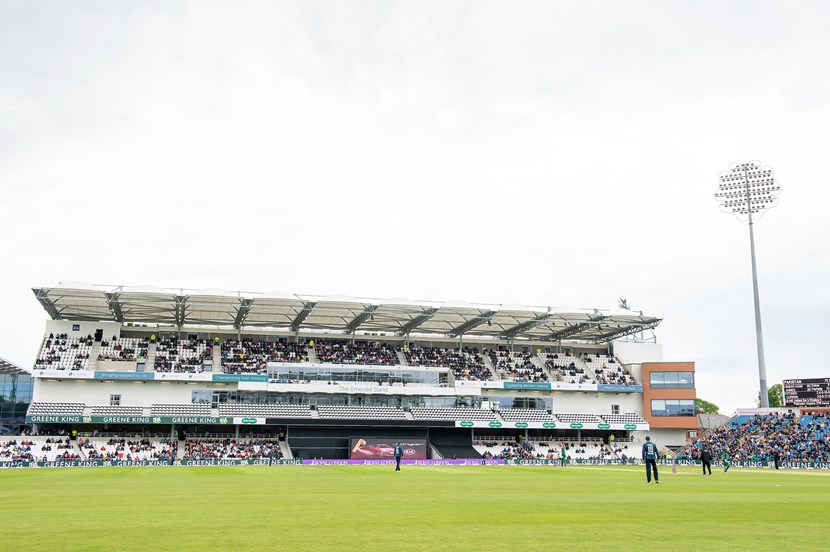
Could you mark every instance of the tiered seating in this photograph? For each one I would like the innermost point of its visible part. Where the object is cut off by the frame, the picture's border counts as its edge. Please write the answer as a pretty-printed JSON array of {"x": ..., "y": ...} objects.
[
  {"x": 52, "y": 448},
  {"x": 421, "y": 413},
  {"x": 626, "y": 418},
  {"x": 60, "y": 352},
  {"x": 361, "y": 412},
  {"x": 737, "y": 421},
  {"x": 202, "y": 409},
  {"x": 249, "y": 356},
  {"x": 127, "y": 449},
  {"x": 17, "y": 450},
  {"x": 525, "y": 415},
  {"x": 607, "y": 370},
  {"x": 359, "y": 352},
  {"x": 203, "y": 449},
  {"x": 567, "y": 418},
  {"x": 266, "y": 410},
  {"x": 106, "y": 410},
  {"x": 466, "y": 364},
  {"x": 506, "y": 450},
  {"x": 517, "y": 366},
  {"x": 124, "y": 349},
  {"x": 182, "y": 355},
  {"x": 566, "y": 368},
  {"x": 585, "y": 450},
  {"x": 762, "y": 436},
  {"x": 56, "y": 409}
]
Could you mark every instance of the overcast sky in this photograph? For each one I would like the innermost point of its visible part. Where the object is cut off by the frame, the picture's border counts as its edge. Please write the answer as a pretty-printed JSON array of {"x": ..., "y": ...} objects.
[{"x": 541, "y": 153}]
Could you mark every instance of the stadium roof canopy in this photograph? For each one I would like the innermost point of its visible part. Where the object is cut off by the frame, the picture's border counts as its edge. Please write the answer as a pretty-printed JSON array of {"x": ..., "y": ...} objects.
[
  {"x": 286, "y": 312},
  {"x": 7, "y": 367}
]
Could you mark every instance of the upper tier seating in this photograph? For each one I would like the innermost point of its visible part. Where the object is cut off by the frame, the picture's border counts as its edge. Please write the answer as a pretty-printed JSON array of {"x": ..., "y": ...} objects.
[
  {"x": 571, "y": 418},
  {"x": 421, "y": 413},
  {"x": 625, "y": 418},
  {"x": 525, "y": 415},
  {"x": 607, "y": 370},
  {"x": 56, "y": 409},
  {"x": 253, "y": 356},
  {"x": 60, "y": 352},
  {"x": 361, "y": 412},
  {"x": 107, "y": 410},
  {"x": 182, "y": 355},
  {"x": 266, "y": 410},
  {"x": 359, "y": 352},
  {"x": 124, "y": 349},
  {"x": 517, "y": 366},
  {"x": 200, "y": 409},
  {"x": 466, "y": 364},
  {"x": 565, "y": 367}
]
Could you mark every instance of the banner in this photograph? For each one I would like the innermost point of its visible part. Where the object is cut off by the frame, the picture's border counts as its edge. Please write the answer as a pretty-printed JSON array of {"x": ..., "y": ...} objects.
[
  {"x": 240, "y": 377},
  {"x": 200, "y": 420},
  {"x": 527, "y": 385},
  {"x": 141, "y": 376},
  {"x": 145, "y": 463},
  {"x": 364, "y": 448},
  {"x": 620, "y": 388}
]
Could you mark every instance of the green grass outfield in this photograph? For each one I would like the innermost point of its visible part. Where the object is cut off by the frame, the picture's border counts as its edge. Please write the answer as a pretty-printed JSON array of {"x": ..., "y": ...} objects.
[{"x": 504, "y": 508}]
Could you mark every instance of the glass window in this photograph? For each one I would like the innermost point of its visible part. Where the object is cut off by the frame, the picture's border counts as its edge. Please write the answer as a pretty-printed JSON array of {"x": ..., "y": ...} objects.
[
  {"x": 672, "y": 380},
  {"x": 673, "y": 407}
]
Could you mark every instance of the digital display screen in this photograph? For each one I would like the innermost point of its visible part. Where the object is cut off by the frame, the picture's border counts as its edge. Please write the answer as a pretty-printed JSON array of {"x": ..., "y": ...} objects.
[
  {"x": 807, "y": 392},
  {"x": 377, "y": 448}
]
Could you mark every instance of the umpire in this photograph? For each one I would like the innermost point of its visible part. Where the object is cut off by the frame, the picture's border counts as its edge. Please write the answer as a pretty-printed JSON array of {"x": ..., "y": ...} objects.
[{"x": 650, "y": 455}]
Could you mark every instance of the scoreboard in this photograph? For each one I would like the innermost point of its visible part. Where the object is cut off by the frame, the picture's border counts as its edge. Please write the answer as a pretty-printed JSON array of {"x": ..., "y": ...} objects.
[{"x": 807, "y": 392}]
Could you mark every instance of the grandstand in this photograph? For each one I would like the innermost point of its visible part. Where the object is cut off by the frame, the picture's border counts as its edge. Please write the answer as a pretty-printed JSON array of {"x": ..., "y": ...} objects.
[{"x": 308, "y": 374}]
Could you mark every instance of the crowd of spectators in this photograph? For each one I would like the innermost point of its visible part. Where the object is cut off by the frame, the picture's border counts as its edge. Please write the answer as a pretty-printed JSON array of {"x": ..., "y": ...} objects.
[
  {"x": 253, "y": 356},
  {"x": 182, "y": 355},
  {"x": 37, "y": 451},
  {"x": 123, "y": 449},
  {"x": 205, "y": 449},
  {"x": 607, "y": 370},
  {"x": 791, "y": 437},
  {"x": 126, "y": 349},
  {"x": 528, "y": 450},
  {"x": 62, "y": 352},
  {"x": 16, "y": 451},
  {"x": 466, "y": 364},
  {"x": 564, "y": 366},
  {"x": 360, "y": 352},
  {"x": 517, "y": 366}
]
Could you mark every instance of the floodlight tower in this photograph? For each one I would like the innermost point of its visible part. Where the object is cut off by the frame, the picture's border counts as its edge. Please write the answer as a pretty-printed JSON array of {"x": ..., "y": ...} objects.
[{"x": 747, "y": 190}]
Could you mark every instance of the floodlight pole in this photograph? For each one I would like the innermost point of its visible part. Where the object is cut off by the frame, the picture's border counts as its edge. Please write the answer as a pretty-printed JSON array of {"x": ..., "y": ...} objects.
[{"x": 759, "y": 334}]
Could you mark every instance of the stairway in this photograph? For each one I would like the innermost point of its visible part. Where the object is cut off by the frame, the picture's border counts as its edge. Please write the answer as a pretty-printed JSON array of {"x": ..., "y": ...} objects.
[
  {"x": 402, "y": 359},
  {"x": 92, "y": 363},
  {"x": 312, "y": 354},
  {"x": 217, "y": 357},
  {"x": 150, "y": 363}
]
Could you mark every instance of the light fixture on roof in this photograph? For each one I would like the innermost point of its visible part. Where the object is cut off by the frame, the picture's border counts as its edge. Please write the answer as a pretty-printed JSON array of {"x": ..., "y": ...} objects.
[{"x": 747, "y": 190}]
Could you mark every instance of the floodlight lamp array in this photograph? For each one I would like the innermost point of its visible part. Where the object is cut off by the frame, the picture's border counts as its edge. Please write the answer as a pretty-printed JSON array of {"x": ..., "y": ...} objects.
[{"x": 747, "y": 189}]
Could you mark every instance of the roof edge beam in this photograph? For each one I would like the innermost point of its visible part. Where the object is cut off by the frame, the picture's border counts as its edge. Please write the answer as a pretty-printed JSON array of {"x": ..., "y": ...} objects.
[
  {"x": 242, "y": 312},
  {"x": 47, "y": 304},
  {"x": 417, "y": 321},
  {"x": 628, "y": 331},
  {"x": 302, "y": 315},
  {"x": 368, "y": 312},
  {"x": 115, "y": 307},
  {"x": 181, "y": 310},
  {"x": 472, "y": 323},
  {"x": 510, "y": 333}
]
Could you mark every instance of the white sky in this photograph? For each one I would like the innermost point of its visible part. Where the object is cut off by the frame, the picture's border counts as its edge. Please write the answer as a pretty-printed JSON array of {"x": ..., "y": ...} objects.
[{"x": 541, "y": 153}]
